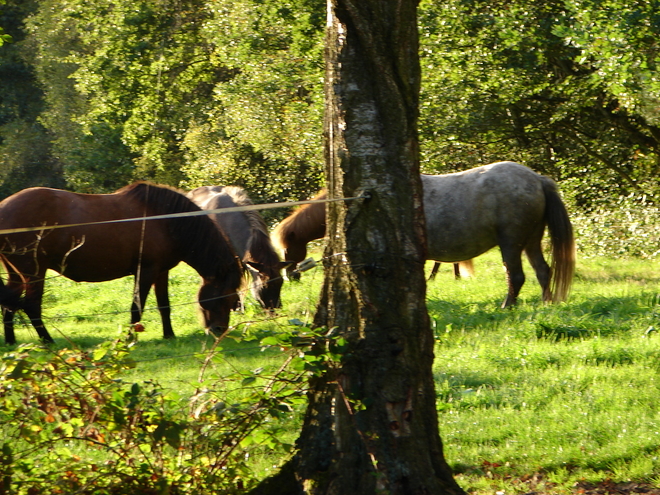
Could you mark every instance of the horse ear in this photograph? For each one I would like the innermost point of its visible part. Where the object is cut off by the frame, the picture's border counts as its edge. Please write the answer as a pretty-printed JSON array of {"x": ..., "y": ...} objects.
[
  {"x": 254, "y": 267},
  {"x": 285, "y": 264}
]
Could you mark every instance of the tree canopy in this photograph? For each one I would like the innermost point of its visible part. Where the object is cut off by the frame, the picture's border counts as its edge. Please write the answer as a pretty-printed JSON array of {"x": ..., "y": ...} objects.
[{"x": 99, "y": 93}]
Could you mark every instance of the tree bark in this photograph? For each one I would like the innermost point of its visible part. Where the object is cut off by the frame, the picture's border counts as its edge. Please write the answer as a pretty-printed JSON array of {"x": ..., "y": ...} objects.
[{"x": 371, "y": 426}]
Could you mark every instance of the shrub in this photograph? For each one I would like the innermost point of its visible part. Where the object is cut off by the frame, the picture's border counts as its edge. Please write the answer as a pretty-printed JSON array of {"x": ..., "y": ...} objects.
[
  {"x": 628, "y": 227},
  {"x": 70, "y": 424}
]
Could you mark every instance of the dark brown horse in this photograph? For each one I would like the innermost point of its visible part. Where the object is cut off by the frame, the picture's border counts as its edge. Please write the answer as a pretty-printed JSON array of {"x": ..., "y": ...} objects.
[
  {"x": 146, "y": 249},
  {"x": 307, "y": 223},
  {"x": 248, "y": 233},
  {"x": 503, "y": 204}
]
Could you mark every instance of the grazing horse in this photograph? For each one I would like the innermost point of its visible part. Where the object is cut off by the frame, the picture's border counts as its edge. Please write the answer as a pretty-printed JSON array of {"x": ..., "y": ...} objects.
[
  {"x": 248, "y": 233},
  {"x": 33, "y": 239},
  {"x": 307, "y": 224},
  {"x": 503, "y": 204}
]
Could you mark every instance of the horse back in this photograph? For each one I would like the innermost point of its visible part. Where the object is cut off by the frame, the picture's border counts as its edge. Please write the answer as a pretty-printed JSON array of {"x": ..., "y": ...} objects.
[
  {"x": 81, "y": 252},
  {"x": 234, "y": 225},
  {"x": 468, "y": 213},
  {"x": 246, "y": 230}
]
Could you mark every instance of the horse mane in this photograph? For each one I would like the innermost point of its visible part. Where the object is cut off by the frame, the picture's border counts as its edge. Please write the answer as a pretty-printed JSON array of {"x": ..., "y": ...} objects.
[
  {"x": 196, "y": 234},
  {"x": 301, "y": 222},
  {"x": 260, "y": 248}
]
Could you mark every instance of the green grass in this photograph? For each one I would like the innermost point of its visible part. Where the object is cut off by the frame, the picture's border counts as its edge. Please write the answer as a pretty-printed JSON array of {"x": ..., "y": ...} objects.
[
  {"x": 543, "y": 396},
  {"x": 534, "y": 398}
]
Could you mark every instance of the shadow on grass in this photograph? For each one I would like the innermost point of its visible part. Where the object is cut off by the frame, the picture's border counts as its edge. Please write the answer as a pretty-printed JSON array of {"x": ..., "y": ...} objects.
[
  {"x": 605, "y": 464},
  {"x": 597, "y": 316},
  {"x": 469, "y": 317},
  {"x": 158, "y": 348}
]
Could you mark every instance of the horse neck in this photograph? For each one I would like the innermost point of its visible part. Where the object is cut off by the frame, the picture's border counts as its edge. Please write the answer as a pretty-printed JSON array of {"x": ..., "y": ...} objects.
[
  {"x": 313, "y": 224},
  {"x": 236, "y": 229},
  {"x": 212, "y": 257}
]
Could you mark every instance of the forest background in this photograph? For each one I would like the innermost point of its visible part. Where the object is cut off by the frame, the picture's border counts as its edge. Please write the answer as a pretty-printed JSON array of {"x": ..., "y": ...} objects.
[{"x": 95, "y": 94}]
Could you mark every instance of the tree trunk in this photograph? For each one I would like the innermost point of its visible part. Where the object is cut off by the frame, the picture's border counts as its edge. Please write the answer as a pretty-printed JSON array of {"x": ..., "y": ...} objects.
[{"x": 371, "y": 426}]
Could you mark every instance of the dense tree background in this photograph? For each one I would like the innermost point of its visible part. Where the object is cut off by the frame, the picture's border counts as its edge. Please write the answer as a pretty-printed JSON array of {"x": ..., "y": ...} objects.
[{"x": 97, "y": 93}]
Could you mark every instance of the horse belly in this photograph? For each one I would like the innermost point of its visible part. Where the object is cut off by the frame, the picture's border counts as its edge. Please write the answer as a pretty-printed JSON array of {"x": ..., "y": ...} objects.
[
  {"x": 454, "y": 244},
  {"x": 458, "y": 227},
  {"x": 101, "y": 253}
]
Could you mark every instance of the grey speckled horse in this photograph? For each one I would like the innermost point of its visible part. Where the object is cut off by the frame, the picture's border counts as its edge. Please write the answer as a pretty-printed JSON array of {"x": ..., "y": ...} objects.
[
  {"x": 249, "y": 236},
  {"x": 503, "y": 204}
]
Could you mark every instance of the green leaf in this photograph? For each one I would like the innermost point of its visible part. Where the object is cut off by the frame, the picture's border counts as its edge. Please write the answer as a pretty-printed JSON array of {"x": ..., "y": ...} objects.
[
  {"x": 99, "y": 353},
  {"x": 248, "y": 380},
  {"x": 268, "y": 341}
]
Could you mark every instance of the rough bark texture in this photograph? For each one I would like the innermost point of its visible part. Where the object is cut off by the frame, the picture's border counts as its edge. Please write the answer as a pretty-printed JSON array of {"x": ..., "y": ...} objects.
[{"x": 372, "y": 427}]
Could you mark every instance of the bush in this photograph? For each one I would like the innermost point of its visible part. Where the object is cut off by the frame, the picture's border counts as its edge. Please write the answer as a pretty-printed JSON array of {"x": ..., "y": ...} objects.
[
  {"x": 628, "y": 227},
  {"x": 69, "y": 424}
]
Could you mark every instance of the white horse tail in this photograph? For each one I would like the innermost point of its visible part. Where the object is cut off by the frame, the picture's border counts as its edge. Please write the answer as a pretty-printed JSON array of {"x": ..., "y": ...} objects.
[{"x": 561, "y": 240}]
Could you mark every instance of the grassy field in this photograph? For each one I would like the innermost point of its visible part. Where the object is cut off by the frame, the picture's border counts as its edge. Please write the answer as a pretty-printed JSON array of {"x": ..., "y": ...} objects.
[{"x": 543, "y": 398}]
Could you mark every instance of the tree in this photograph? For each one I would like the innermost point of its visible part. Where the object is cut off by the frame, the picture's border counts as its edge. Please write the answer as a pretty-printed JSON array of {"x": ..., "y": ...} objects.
[
  {"x": 4, "y": 38},
  {"x": 184, "y": 92},
  {"x": 25, "y": 145},
  {"x": 566, "y": 87},
  {"x": 371, "y": 424}
]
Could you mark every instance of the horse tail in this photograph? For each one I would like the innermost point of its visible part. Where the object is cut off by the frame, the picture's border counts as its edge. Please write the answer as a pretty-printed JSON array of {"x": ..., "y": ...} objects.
[
  {"x": 561, "y": 239},
  {"x": 466, "y": 268}
]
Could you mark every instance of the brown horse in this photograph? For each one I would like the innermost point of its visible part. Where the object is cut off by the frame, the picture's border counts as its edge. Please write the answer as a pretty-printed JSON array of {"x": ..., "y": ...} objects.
[
  {"x": 467, "y": 213},
  {"x": 307, "y": 223},
  {"x": 248, "y": 233},
  {"x": 92, "y": 252}
]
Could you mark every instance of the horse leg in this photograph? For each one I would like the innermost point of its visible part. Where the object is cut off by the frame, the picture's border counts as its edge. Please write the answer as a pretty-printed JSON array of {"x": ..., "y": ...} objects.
[
  {"x": 34, "y": 293},
  {"x": 434, "y": 271},
  {"x": 163, "y": 301},
  {"x": 541, "y": 267},
  {"x": 8, "y": 321},
  {"x": 10, "y": 301},
  {"x": 140, "y": 293},
  {"x": 457, "y": 271},
  {"x": 511, "y": 256}
]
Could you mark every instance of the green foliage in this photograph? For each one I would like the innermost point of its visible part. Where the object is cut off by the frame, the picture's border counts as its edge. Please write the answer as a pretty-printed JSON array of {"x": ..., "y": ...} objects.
[
  {"x": 4, "y": 38},
  {"x": 273, "y": 105},
  {"x": 531, "y": 83},
  {"x": 625, "y": 228},
  {"x": 70, "y": 423},
  {"x": 231, "y": 92},
  {"x": 25, "y": 149},
  {"x": 184, "y": 93}
]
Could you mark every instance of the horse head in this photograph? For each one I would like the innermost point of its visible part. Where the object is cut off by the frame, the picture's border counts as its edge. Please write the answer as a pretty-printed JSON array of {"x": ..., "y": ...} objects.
[
  {"x": 267, "y": 283},
  {"x": 217, "y": 300}
]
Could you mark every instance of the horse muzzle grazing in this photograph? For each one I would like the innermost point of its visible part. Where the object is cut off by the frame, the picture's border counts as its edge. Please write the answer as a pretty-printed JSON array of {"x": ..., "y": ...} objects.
[{"x": 216, "y": 305}]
